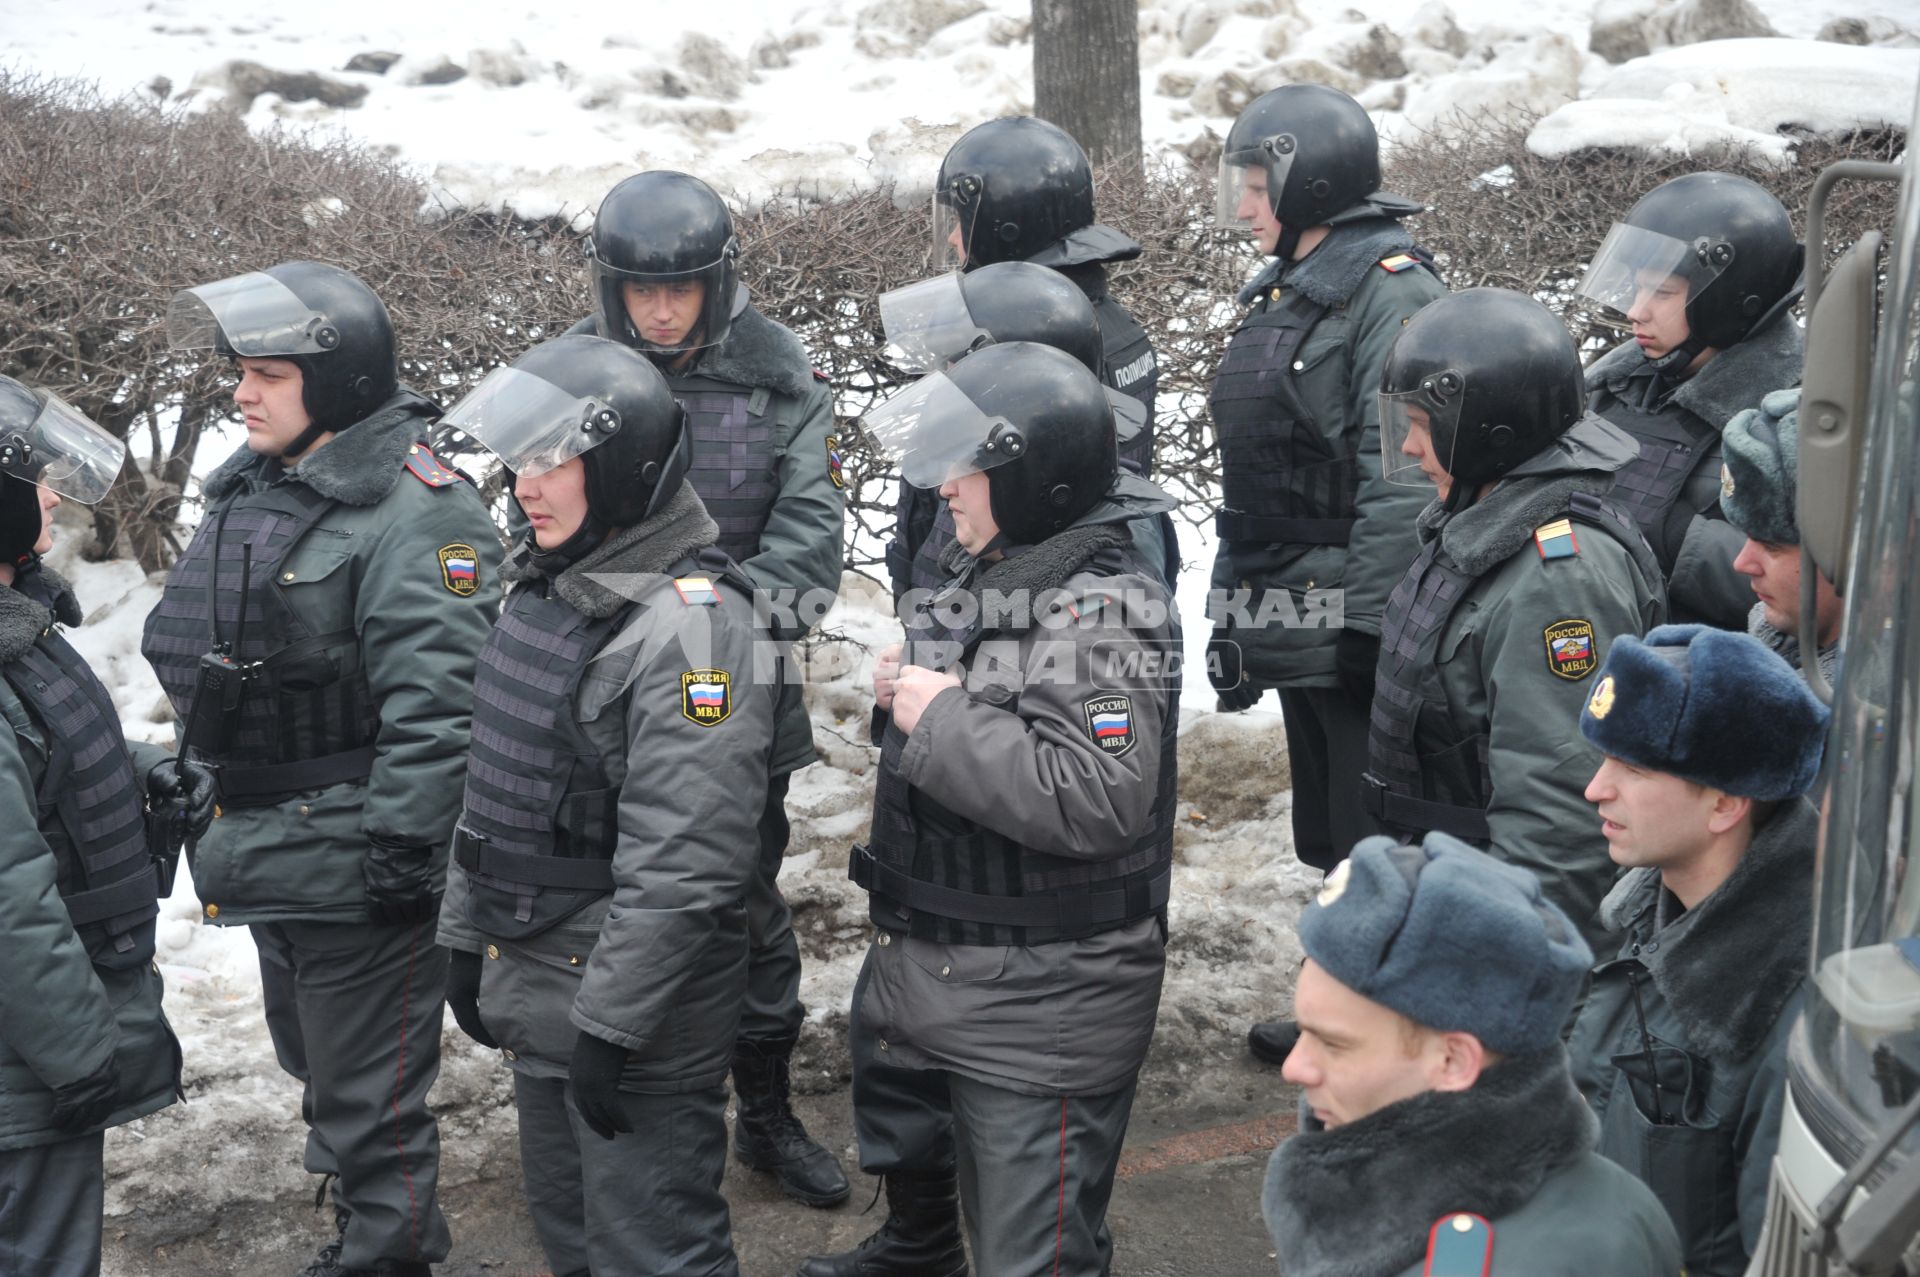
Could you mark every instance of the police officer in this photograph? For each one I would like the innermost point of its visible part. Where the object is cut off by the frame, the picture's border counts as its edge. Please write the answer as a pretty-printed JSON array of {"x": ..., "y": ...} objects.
[
  {"x": 1681, "y": 1048},
  {"x": 606, "y": 851},
  {"x": 1310, "y": 537},
  {"x": 84, "y": 1042},
  {"x": 1021, "y": 842},
  {"x": 1440, "y": 1134},
  {"x": 317, "y": 639},
  {"x": 766, "y": 463},
  {"x": 1705, "y": 269},
  {"x": 1525, "y": 579},
  {"x": 933, "y": 323}
]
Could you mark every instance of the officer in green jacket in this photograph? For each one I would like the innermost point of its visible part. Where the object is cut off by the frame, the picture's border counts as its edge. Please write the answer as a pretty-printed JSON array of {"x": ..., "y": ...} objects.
[
  {"x": 1710, "y": 742},
  {"x": 1525, "y": 579},
  {"x": 317, "y": 639},
  {"x": 84, "y": 1044},
  {"x": 767, "y": 465}
]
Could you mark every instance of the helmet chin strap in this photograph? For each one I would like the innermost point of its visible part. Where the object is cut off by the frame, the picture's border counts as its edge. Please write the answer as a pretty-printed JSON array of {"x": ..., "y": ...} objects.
[
  {"x": 1288, "y": 242},
  {"x": 585, "y": 540},
  {"x": 1670, "y": 369},
  {"x": 1459, "y": 496}
]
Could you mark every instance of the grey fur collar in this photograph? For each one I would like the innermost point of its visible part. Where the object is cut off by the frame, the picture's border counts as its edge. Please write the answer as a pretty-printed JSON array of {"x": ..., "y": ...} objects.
[
  {"x": 679, "y": 528},
  {"x": 1729, "y": 965},
  {"x": 30, "y": 606},
  {"x": 359, "y": 467},
  {"x": 757, "y": 352},
  {"x": 1492, "y": 529},
  {"x": 1047, "y": 566},
  {"x": 1358, "y": 1200},
  {"x": 1788, "y": 645},
  {"x": 1332, "y": 272},
  {"x": 1729, "y": 383}
]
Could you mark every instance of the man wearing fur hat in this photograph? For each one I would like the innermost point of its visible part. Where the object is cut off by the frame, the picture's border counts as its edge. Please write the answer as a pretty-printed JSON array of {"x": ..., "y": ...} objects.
[
  {"x": 1681, "y": 1047},
  {"x": 1440, "y": 1131},
  {"x": 1757, "y": 488}
]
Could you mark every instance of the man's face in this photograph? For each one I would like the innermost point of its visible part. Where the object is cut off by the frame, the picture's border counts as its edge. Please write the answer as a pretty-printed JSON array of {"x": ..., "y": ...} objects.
[
  {"x": 268, "y": 396},
  {"x": 664, "y": 313},
  {"x": 555, "y": 503},
  {"x": 1773, "y": 570},
  {"x": 1652, "y": 820},
  {"x": 1257, "y": 210},
  {"x": 956, "y": 244},
  {"x": 49, "y": 502},
  {"x": 1419, "y": 446},
  {"x": 1658, "y": 312},
  {"x": 1355, "y": 1056},
  {"x": 970, "y": 500}
]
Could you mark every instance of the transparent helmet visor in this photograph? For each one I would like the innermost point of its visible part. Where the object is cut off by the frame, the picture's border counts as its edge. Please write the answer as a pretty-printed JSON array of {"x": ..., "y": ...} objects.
[
  {"x": 934, "y": 433},
  {"x": 253, "y": 315},
  {"x": 532, "y": 425},
  {"x": 1636, "y": 267},
  {"x": 952, "y": 227},
  {"x": 62, "y": 449},
  {"x": 672, "y": 311},
  {"x": 927, "y": 324},
  {"x": 1410, "y": 424},
  {"x": 1249, "y": 180}
]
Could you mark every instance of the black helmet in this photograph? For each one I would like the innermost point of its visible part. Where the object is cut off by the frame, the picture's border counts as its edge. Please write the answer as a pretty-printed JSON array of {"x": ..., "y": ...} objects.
[
  {"x": 1727, "y": 237},
  {"x": 1013, "y": 187},
  {"x": 582, "y": 396},
  {"x": 1317, "y": 149},
  {"x": 664, "y": 229},
  {"x": 46, "y": 441},
  {"x": 936, "y": 321},
  {"x": 1494, "y": 378},
  {"x": 1032, "y": 417},
  {"x": 320, "y": 317}
]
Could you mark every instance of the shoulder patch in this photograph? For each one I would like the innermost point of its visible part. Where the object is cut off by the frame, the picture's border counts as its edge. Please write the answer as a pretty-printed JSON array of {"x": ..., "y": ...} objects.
[
  {"x": 696, "y": 591},
  {"x": 1555, "y": 540},
  {"x": 706, "y": 696},
  {"x": 460, "y": 569},
  {"x": 834, "y": 462},
  {"x": 1398, "y": 262},
  {"x": 1110, "y": 723},
  {"x": 1459, "y": 1245},
  {"x": 1573, "y": 652},
  {"x": 429, "y": 469}
]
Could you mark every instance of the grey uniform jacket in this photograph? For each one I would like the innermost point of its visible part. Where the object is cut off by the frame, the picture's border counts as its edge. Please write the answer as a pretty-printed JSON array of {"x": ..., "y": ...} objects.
[
  {"x": 1704, "y": 1000},
  {"x": 659, "y": 966},
  {"x": 1701, "y": 582}
]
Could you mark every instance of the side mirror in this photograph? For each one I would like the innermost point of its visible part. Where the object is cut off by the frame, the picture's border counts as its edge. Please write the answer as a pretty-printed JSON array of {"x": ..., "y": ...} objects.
[{"x": 1833, "y": 407}]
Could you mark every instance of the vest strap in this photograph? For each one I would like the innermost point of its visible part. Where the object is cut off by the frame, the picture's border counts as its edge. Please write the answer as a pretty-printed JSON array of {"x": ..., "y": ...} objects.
[
  {"x": 1469, "y": 824},
  {"x": 252, "y": 786},
  {"x": 1232, "y": 525},
  {"x": 1071, "y": 913},
  {"x": 134, "y": 895},
  {"x": 565, "y": 873}
]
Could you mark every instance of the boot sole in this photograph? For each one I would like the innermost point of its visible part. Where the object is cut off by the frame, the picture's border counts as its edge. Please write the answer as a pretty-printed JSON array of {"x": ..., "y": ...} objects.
[{"x": 820, "y": 1201}]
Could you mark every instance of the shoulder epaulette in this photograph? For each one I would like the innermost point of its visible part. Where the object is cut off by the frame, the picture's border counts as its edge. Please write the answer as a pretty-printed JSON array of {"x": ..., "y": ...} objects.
[
  {"x": 1398, "y": 262},
  {"x": 1459, "y": 1245},
  {"x": 820, "y": 376},
  {"x": 429, "y": 469},
  {"x": 1555, "y": 540},
  {"x": 696, "y": 591}
]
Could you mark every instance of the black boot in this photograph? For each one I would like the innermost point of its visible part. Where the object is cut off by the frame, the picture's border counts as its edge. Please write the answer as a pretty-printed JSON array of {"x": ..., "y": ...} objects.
[
  {"x": 767, "y": 1136},
  {"x": 1273, "y": 1041},
  {"x": 921, "y": 1237}
]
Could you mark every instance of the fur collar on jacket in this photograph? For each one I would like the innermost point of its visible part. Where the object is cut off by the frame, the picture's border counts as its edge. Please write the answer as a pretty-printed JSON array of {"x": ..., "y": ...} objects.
[
  {"x": 1332, "y": 272},
  {"x": 359, "y": 466},
  {"x": 1358, "y": 1200},
  {"x": 1729, "y": 965},
  {"x": 30, "y": 606},
  {"x": 1788, "y": 645},
  {"x": 1731, "y": 382},
  {"x": 604, "y": 582},
  {"x": 757, "y": 352}
]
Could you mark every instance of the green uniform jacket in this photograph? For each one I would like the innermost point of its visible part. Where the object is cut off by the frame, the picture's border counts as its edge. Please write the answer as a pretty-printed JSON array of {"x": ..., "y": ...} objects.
[
  {"x": 1337, "y": 375},
  {"x": 61, "y": 1017},
  {"x": 1712, "y": 994},
  {"x": 300, "y": 858}
]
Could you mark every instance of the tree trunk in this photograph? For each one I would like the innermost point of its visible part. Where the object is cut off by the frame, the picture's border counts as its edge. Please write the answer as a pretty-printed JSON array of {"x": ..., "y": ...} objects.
[{"x": 1086, "y": 74}]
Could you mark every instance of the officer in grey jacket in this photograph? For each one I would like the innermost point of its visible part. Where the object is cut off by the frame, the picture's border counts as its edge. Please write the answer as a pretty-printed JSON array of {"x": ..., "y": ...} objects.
[
  {"x": 1440, "y": 1131},
  {"x": 767, "y": 466},
  {"x": 1525, "y": 579},
  {"x": 1705, "y": 270},
  {"x": 1021, "y": 846},
  {"x": 1681, "y": 1048},
  {"x": 623, "y": 716},
  {"x": 84, "y": 1044},
  {"x": 317, "y": 639}
]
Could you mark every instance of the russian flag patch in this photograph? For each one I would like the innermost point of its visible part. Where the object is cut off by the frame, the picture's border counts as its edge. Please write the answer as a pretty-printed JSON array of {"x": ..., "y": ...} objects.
[
  {"x": 1110, "y": 723},
  {"x": 1555, "y": 540},
  {"x": 696, "y": 591}
]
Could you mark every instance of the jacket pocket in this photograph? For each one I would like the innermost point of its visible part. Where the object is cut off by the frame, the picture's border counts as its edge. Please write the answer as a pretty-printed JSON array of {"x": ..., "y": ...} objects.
[
  {"x": 956, "y": 963},
  {"x": 1689, "y": 1165}
]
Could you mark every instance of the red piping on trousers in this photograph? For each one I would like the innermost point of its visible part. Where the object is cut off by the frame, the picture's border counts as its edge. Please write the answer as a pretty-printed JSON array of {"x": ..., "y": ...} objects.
[
  {"x": 1060, "y": 1218},
  {"x": 399, "y": 1084}
]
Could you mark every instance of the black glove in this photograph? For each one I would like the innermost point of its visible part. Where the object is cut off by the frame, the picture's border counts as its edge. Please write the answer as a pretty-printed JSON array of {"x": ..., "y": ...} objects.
[
  {"x": 463, "y": 997},
  {"x": 80, "y": 1106},
  {"x": 594, "y": 1075},
  {"x": 1224, "y": 671},
  {"x": 399, "y": 878},
  {"x": 188, "y": 786},
  {"x": 1667, "y": 539},
  {"x": 1356, "y": 655}
]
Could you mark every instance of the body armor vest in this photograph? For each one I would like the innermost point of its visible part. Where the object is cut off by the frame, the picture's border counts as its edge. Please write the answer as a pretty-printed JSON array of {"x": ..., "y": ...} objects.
[
  {"x": 91, "y": 808},
  {"x": 305, "y": 717},
  {"x": 1426, "y": 771},
  {"x": 1673, "y": 443},
  {"x": 1283, "y": 481},
  {"x": 733, "y": 461},
  {"x": 940, "y": 877}
]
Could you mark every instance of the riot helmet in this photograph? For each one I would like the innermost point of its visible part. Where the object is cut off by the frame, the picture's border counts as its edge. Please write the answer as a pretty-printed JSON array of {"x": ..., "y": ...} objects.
[
  {"x": 1012, "y": 187},
  {"x": 1316, "y": 151},
  {"x": 934, "y": 322},
  {"x": 1728, "y": 239},
  {"x": 1029, "y": 416},
  {"x": 47, "y": 442},
  {"x": 670, "y": 234},
  {"x": 321, "y": 318},
  {"x": 1491, "y": 375}
]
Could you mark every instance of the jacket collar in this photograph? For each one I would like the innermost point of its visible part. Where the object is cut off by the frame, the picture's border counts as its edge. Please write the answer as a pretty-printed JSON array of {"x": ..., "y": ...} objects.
[
  {"x": 1726, "y": 385},
  {"x": 630, "y": 563},
  {"x": 1332, "y": 272},
  {"x": 757, "y": 353},
  {"x": 39, "y": 597},
  {"x": 359, "y": 466}
]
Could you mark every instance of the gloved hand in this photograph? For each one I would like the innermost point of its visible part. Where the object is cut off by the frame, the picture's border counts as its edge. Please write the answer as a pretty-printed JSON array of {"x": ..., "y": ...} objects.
[
  {"x": 463, "y": 997},
  {"x": 594, "y": 1074},
  {"x": 80, "y": 1106},
  {"x": 1356, "y": 655},
  {"x": 1225, "y": 672},
  {"x": 399, "y": 880},
  {"x": 190, "y": 787}
]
